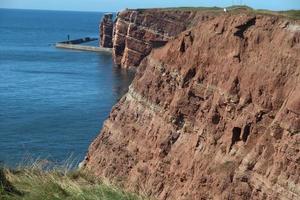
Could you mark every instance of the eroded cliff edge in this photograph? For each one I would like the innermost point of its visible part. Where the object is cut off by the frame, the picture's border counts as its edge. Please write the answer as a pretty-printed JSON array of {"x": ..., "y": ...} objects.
[
  {"x": 214, "y": 114},
  {"x": 137, "y": 32}
]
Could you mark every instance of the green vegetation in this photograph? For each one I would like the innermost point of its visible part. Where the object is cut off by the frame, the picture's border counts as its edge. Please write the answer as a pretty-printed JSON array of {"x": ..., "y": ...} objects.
[
  {"x": 181, "y": 9},
  {"x": 292, "y": 14},
  {"x": 35, "y": 183}
]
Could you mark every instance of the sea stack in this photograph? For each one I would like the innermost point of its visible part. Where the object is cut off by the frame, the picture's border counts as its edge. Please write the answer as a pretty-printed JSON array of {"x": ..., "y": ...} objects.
[{"x": 106, "y": 30}]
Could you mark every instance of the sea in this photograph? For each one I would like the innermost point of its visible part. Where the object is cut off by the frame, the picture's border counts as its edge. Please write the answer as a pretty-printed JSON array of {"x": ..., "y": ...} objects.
[{"x": 53, "y": 102}]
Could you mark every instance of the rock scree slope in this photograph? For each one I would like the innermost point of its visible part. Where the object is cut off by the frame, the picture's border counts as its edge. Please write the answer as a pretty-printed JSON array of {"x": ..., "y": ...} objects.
[{"x": 214, "y": 114}]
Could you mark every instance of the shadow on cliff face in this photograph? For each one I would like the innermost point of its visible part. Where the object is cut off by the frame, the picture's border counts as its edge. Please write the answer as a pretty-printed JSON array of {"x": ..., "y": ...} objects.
[{"x": 124, "y": 78}]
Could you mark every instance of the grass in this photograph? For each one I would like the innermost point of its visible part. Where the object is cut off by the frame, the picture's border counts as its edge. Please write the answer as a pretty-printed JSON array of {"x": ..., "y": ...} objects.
[
  {"x": 292, "y": 14},
  {"x": 36, "y": 183}
]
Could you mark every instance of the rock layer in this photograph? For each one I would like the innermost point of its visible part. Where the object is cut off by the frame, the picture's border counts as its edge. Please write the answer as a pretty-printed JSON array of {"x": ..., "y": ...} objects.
[
  {"x": 136, "y": 32},
  {"x": 106, "y": 31},
  {"x": 214, "y": 114}
]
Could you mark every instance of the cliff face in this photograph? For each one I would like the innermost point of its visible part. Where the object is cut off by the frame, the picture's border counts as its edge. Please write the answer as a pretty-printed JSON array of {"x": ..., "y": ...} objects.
[
  {"x": 214, "y": 114},
  {"x": 136, "y": 32},
  {"x": 106, "y": 31}
]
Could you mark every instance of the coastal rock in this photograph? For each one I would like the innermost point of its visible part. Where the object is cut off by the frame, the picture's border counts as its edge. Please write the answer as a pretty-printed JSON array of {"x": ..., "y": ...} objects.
[
  {"x": 214, "y": 114},
  {"x": 106, "y": 31},
  {"x": 137, "y": 32}
]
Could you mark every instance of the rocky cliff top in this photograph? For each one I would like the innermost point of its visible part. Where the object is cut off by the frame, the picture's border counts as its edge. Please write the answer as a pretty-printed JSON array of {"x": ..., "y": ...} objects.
[{"x": 138, "y": 31}]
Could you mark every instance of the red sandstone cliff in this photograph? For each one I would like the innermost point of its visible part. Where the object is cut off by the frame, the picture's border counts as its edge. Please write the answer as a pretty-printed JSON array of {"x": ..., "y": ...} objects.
[
  {"x": 215, "y": 114},
  {"x": 136, "y": 32},
  {"x": 106, "y": 31}
]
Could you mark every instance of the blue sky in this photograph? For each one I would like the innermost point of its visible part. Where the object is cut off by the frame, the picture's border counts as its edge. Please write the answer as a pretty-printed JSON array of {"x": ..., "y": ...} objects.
[{"x": 116, "y": 5}]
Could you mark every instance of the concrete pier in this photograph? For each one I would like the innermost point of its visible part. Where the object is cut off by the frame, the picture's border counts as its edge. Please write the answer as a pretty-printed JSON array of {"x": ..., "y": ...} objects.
[{"x": 83, "y": 47}]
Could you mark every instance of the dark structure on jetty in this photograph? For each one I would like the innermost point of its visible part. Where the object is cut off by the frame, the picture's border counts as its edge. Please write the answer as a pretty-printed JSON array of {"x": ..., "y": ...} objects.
[{"x": 79, "y": 41}]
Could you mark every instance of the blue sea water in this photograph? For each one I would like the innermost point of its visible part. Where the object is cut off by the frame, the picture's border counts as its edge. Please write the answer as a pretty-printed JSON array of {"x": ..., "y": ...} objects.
[{"x": 52, "y": 101}]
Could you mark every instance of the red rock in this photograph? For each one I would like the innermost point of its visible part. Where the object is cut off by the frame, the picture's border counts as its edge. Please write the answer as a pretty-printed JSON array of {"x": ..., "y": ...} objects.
[
  {"x": 136, "y": 32},
  {"x": 294, "y": 103},
  {"x": 106, "y": 31},
  {"x": 209, "y": 115}
]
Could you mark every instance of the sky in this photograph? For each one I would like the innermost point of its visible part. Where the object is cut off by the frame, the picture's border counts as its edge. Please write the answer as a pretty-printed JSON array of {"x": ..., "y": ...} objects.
[{"x": 117, "y": 5}]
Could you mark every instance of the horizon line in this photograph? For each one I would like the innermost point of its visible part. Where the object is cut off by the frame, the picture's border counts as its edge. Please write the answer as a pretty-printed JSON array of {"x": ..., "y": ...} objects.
[
  {"x": 63, "y": 10},
  {"x": 66, "y": 10}
]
